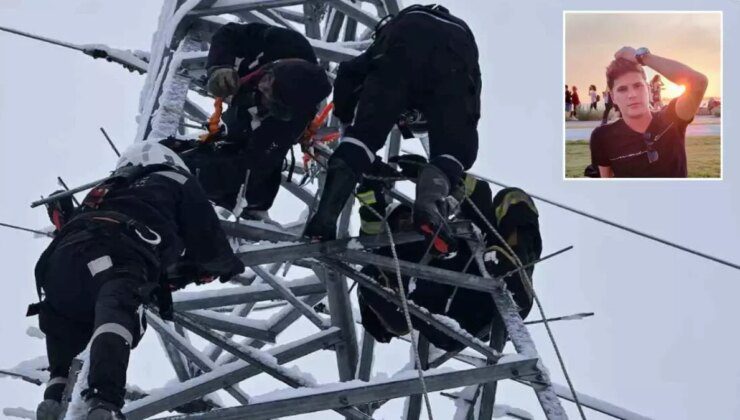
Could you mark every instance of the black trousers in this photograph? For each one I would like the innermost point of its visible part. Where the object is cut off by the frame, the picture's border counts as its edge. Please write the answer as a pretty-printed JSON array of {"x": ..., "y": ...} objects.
[
  {"x": 607, "y": 108},
  {"x": 415, "y": 70},
  {"x": 91, "y": 287}
]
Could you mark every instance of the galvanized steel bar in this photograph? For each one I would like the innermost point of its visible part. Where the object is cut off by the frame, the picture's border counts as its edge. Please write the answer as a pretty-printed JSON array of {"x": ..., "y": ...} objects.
[
  {"x": 233, "y": 296},
  {"x": 415, "y": 310},
  {"x": 225, "y": 376},
  {"x": 256, "y": 357},
  {"x": 357, "y": 394},
  {"x": 196, "y": 357},
  {"x": 278, "y": 285}
]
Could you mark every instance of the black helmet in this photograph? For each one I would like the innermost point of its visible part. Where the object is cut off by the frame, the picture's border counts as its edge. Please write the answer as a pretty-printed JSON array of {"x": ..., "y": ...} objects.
[{"x": 293, "y": 87}]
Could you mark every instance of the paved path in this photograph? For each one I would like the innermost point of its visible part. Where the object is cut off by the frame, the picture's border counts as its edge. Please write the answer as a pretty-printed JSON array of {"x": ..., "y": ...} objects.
[{"x": 702, "y": 126}]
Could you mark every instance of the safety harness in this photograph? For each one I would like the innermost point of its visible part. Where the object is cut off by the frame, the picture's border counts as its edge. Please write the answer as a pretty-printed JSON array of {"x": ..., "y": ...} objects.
[{"x": 90, "y": 222}]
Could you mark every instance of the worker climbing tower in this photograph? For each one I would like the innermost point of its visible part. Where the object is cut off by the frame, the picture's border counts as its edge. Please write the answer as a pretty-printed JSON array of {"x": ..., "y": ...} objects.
[{"x": 296, "y": 279}]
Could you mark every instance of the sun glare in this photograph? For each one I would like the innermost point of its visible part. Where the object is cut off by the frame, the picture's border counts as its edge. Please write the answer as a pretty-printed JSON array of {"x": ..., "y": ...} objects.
[{"x": 673, "y": 91}]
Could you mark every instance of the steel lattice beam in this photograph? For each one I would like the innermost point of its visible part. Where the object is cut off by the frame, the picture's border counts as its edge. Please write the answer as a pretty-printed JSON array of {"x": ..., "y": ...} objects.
[{"x": 363, "y": 393}]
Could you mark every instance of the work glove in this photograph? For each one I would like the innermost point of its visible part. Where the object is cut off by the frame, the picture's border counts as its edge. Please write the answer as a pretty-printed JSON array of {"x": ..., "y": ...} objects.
[
  {"x": 410, "y": 165},
  {"x": 236, "y": 268},
  {"x": 223, "y": 81}
]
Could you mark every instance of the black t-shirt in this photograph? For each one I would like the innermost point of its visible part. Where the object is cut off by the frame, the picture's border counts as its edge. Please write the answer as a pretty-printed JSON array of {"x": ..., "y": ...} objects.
[{"x": 660, "y": 152}]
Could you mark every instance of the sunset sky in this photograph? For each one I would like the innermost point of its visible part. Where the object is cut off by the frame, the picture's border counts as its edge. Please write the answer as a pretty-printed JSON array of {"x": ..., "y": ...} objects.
[{"x": 591, "y": 39}]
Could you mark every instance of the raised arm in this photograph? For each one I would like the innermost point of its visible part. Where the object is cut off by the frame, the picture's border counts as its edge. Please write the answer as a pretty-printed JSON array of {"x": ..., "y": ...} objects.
[{"x": 676, "y": 72}]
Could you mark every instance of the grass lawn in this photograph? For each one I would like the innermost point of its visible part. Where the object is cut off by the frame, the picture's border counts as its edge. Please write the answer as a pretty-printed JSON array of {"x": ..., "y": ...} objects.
[{"x": 702, "y": 154}]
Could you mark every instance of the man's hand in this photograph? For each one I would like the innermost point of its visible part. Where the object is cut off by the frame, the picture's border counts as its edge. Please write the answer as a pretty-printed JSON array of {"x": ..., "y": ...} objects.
[
  {"x": 236, "y": 268},
  {"x": 410, "y": 165},
  {"x": 627, "y": 53},
  {"x": 695, "y": 83},
  {"x": 223, "y": 81}
]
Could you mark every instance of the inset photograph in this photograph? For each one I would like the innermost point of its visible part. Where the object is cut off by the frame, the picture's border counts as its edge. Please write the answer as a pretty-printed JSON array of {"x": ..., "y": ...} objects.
[{"x": 643, "y": 95}]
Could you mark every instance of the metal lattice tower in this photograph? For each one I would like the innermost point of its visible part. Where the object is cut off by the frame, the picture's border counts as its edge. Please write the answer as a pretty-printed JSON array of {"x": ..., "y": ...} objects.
[{"x": 338, "y": 30}]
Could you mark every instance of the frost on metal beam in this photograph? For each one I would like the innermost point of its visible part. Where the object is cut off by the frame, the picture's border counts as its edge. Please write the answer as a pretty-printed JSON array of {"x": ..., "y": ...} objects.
[
  {"x": 358, "y": 392},
  {"x": 182, "y": 393},
  {"x": 165, "y": 120},
  {"x": 232, "y": 6},
  {"x": 185, "y": 301},
  {"x": 521, "y": 340},
  {"x": 278, "y": 323},
  {"x": 290, "y": 15},
  {"x": 302, "y": 250},
  {"x": 234, "y": 325},
  {"x": 355, "y": 12},
  {"x": 434, "y": 320},
  {"x": 328, "y": 51},
  {"x": 427, "y": 272},
  {"x": 279, "y": 285},
  {"x": 196, "y": 357},
  {"x": 267, "y": 363}
]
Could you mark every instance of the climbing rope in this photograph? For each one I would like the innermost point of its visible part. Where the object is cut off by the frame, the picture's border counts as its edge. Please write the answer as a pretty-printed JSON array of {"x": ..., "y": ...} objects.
[
  {"x": 528, "y": 284},
  {"x": 309, "y": 137},
  {"x": 401, "y": 293},
  {"x": 405, "y": 305},
  {"x": 214, "y": 122}
]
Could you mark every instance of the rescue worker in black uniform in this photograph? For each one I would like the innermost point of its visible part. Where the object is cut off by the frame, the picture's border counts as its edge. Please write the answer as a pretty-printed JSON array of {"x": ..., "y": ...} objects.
[
  {"x": 423, "y": 59},
  {"x": 275, "y": 93},
  {"x": 511, "y": 212},
  {"x": 149, "y": 218}
]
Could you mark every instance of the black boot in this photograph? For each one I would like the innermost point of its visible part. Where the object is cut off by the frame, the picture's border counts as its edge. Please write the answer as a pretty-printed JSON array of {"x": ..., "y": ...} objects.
[
  {"x": 48, "y": 410},
  {"x": 430, "y": 209},
  {"x": 103, "y": 410},
  {"x": 340, "y": 182}
]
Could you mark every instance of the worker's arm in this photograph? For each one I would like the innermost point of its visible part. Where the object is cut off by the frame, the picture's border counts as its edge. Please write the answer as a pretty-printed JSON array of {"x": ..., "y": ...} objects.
[
  {"x": 678, "y": 73},
  {"x": 348, "y": 85},
  {"x": 205, "y": 242}
]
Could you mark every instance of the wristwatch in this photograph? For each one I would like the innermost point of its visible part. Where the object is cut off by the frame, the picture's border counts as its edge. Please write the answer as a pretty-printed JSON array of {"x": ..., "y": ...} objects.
[{"x": 640, "y": 53}]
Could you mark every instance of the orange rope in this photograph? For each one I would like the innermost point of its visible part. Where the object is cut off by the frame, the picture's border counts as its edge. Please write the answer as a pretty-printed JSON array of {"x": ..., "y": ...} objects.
[
  {"x": 309, "y": 135},
  {"x": 214, "y": 121}
]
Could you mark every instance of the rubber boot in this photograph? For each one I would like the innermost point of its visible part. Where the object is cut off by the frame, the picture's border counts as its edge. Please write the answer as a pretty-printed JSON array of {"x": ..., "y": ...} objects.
[
  {"x": 430, "y": 209},
  {"x": 48, "y": 410},
  {"x": 341, "y": 180},
  {"x": 103, "y": 410}
]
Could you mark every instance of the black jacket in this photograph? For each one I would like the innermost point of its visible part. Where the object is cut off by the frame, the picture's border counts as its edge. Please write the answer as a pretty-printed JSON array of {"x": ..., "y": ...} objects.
[
  {"x": 441, "y": 28},
  {"x": 263, "y": 141},
  {"x": 171, "y": 203},
  {"x": 256, "y": 44}
]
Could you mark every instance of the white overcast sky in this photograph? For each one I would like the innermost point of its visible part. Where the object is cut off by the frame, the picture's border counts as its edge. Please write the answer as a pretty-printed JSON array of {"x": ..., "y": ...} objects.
[{"x": 664, "y": 338}]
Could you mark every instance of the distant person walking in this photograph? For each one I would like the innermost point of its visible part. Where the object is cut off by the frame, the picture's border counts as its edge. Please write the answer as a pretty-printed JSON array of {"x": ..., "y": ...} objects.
[
  {"x": 608, "y": 106},
  {"x": 568, "y": 101},
  {"x": 594, "y": 97},
  {"x": 576, "y": 101},
  {"x": 656, "y": 85}
]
